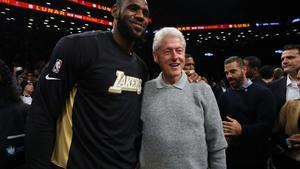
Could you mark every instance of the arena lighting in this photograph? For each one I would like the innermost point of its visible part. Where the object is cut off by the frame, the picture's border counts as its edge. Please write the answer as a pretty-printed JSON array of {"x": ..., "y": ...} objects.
[
  {"x": 208, "y": 54},
  {"x": 96, "y": 6},
  {"x": 296, "y": 20},
  {"x": 92, "y": 5},
  {"x": 267, "y": 24},
  {"x": 55, "y": 12},
  {"x": 209, "y": 27},
  {"x": 279, "y": 51}
]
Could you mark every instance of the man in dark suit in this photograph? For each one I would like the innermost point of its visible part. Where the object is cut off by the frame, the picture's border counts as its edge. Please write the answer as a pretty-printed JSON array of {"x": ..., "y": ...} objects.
[
  {"x": 285, "y": 89},
  {"x": 278, "y": 88}
]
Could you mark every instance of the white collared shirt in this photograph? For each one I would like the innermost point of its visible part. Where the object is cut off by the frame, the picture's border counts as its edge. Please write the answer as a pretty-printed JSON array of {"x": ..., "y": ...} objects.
[
  {"x": 292, "y": 89},
  {"x": 26, "y": 100}
]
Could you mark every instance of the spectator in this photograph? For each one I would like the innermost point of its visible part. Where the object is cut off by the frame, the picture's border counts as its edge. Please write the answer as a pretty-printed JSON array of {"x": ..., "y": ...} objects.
[
  {"x": 12, "y": 122},
  {"x": 189, "y": 68},
  {"x": 286, "y": 89},
  {"x": 253, "y": 65},
  {"x": 278, "y": 73},
  {"x": 248, "y": 112},
  {"x": 266, "y": 73},
  {"x": 27, "y": 91}
]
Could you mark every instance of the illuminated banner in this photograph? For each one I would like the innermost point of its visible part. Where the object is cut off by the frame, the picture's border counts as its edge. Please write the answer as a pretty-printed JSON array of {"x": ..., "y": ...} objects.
[
  {"x": 267, "y": 24},
  {"x": 97, "y": 6},
  {"x": 208, "y": 27},
  {"x": 92, "y": 5},
  {"x": 55, "y": 12}
]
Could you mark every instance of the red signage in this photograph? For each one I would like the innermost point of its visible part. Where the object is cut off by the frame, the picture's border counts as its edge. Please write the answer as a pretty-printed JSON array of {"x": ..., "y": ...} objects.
[
  {"x": 209, "y": 27},
  {"x": 56, "y": 12},
  {"x": 97, "y": 6},
  {"x": 92, "y": 5}
]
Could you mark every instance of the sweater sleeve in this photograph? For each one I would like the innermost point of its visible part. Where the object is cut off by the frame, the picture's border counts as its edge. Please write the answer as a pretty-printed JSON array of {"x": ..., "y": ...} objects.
[
  {"x": 215, "y": 139},
  {"x": 54, "y": 86}
]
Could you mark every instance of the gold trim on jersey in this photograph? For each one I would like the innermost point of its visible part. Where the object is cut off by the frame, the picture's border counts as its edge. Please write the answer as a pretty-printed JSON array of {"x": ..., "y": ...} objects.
[{"x": 64, "y": 134}]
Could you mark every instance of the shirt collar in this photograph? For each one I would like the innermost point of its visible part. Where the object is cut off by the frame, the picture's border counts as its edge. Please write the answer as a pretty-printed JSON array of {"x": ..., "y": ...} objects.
[
  {"x": 247, "y": 83},
  {"x": 160, "y": 83},
  {"x": 244, "y": 86},
  {"x": 289, "y": 82}
]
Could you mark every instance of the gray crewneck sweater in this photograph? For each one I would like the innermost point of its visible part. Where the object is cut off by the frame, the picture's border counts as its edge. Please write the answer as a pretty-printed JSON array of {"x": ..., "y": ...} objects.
[{"x": 182, "y": 128}]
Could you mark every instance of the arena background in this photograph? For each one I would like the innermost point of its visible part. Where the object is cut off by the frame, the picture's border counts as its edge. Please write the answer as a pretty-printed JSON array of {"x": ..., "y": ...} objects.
[{"x": 214, "y": 29}]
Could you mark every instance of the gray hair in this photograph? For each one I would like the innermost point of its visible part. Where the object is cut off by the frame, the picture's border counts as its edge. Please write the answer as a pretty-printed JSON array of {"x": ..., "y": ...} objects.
[{"x": 167, "y": 31}]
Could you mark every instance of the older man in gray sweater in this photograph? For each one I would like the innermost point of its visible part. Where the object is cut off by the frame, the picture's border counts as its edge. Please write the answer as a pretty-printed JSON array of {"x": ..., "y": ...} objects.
[{"x": 182, "y": 128}]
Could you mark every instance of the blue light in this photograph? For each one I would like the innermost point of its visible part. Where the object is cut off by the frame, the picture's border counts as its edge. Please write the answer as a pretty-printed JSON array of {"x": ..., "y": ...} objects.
[
  {"x": 279, "y": 51},
  {"x": 296, "y": 20},
  {"x": 275, "y": 23},
  {"x": 208, "y": 54},
  {"x": 267, "y": 24}
]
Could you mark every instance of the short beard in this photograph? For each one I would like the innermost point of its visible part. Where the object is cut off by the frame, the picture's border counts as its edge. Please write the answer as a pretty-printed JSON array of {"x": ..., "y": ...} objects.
[
  {"x": 126, "y": 31},
  {"x": 238, "y": 81}
]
